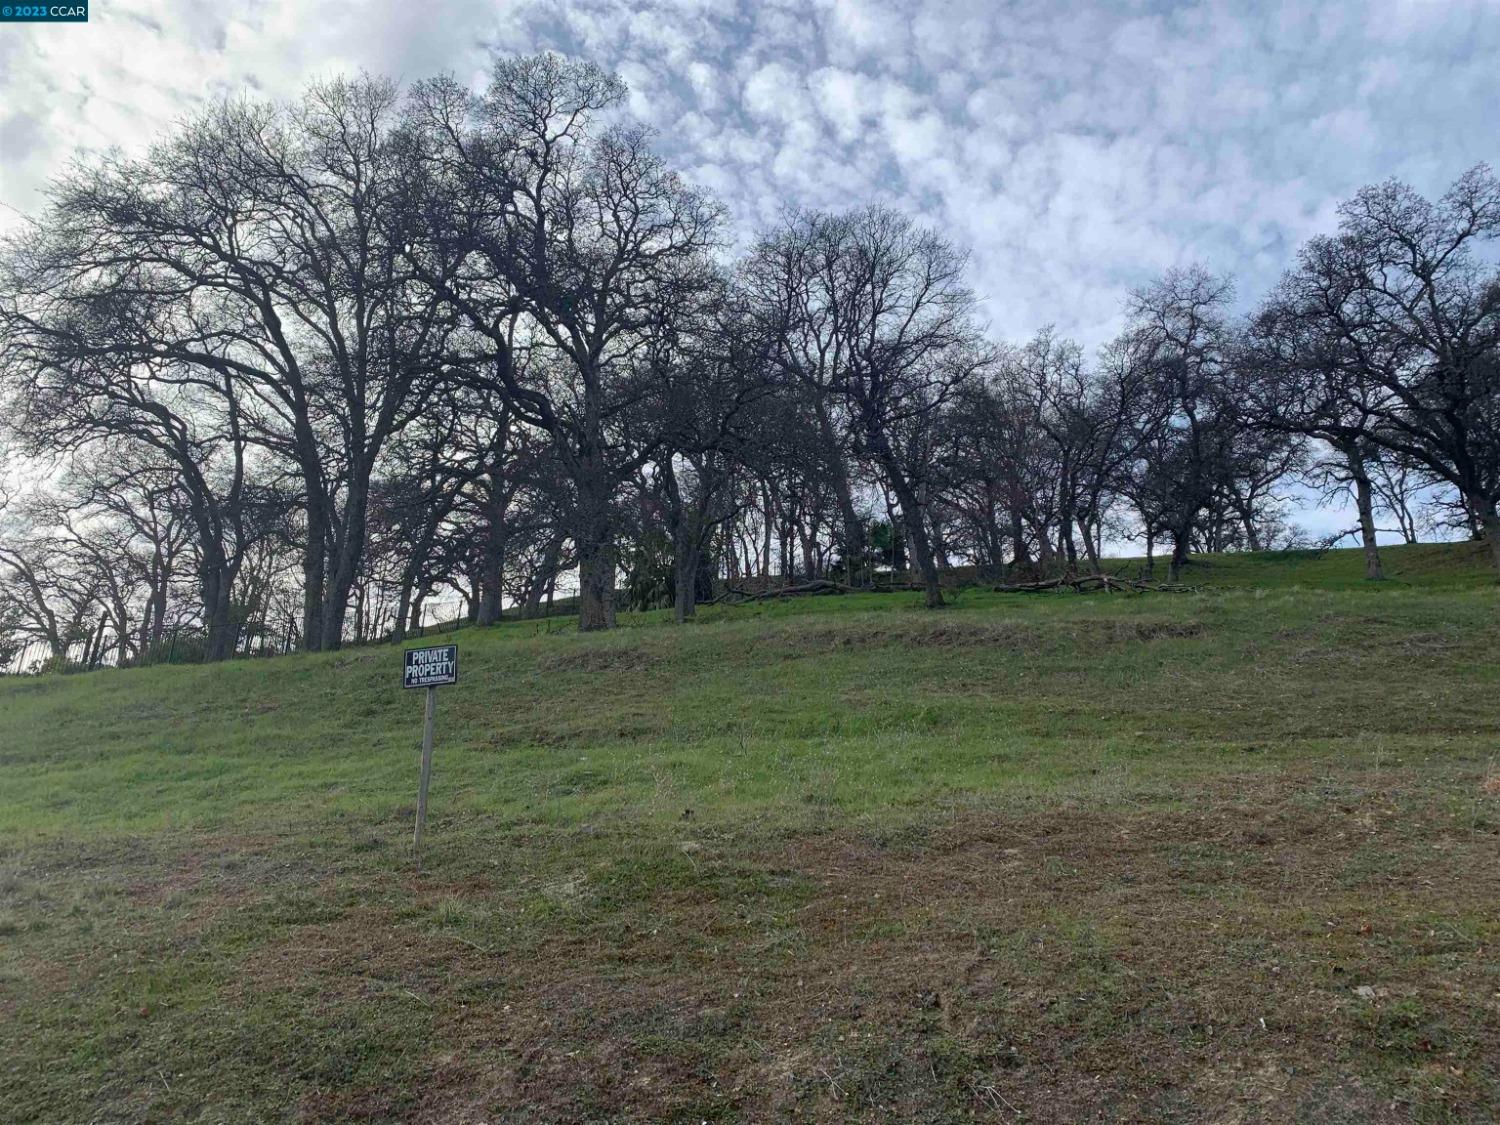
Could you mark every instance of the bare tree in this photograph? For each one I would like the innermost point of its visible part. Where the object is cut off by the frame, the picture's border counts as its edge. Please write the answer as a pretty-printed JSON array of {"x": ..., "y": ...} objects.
[
  {"x": 871, "y": 313},
  {"x": 47, "y": 596},
  {"x": 135, "y": 527},
  {"x": 74, "y": 380},
  {"x": 1393, "y": 328},
  {"x": 712, "y": 381},
  {"x": 1406, "y": 493},
  {"x": 560, "y": 242},
  {"x": 259, "y": 249},
  {"x": 1180, "y": 327}
]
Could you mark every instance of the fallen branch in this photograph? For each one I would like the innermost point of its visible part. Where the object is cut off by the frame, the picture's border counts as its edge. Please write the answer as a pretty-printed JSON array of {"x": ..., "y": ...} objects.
[
  {"x": 1087, "y": 583},
  {"x": 814, "y": 587}
]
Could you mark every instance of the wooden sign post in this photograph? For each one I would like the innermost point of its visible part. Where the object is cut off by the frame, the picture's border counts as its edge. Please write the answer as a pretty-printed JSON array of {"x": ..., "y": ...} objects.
[{"x": 429, "y": 668}]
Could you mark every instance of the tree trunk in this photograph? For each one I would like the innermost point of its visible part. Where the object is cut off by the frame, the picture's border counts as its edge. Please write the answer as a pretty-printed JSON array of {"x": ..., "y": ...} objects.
[
  {"x": 919, "y": 546},
  {"x": 994, "y": 546},
  {"x": 1489, "y": 520},
  {"x": 1090, "y": 546},
  {"x": 1021, "y": 560},
  {"x": 94, "y": 650},
  {"x": 403, "y": 607},
  {"x": 1046, "y": 556},
  {"x": 1374, "y": 572},
  {"x": 1252, "y": 536},
  {"x": 491, "y": 568},
  {"x": 703, "y": 578},
  {"x": 1364, "y": 500},
  {"x": 596, "y": 558},
  {"x": 765, "y": 532},
  {"x": 596, "y": 586},
  {"x": 939, "y": 546},
  {"x": 314, "y": 574},
  {"x": 1067, "y": 546},
  {"x": 122, "y": 639},
  {"x": 216, "y": 585},
  {"x": 350, "y": 551},
  {"x": 686, "y": 514},
  {"x": 546, "y": 575},
  {"x": 360, "y": 594},
  {"x": 926, "y": 564},
  {"x": 1180, "y": 540},
  {"x": 685, "y": 552},
  {"x": 809, "y": 552},
  {"x": 854, "y": 539},
  {"x": 143, "y": 634},
  {"x": 216, "y": 576},
  {"x": 154, "y": 623}
]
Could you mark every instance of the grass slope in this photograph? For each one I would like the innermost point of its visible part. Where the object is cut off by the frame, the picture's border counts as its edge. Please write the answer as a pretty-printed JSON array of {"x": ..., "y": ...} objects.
[{"x": 1225, "y": 856}]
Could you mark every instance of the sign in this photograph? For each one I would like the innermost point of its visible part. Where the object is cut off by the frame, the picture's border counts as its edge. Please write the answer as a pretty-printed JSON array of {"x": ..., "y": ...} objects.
[{"x": 431, "y": 667}]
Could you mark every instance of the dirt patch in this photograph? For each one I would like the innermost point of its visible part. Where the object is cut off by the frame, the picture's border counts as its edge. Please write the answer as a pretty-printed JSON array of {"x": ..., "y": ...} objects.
[
  {"x": 600, "y": 657},
  {"x": 1151, "y": 630},
  {"x": 185, "y": 876},
  {"x": 1008, "y": 635},
  {"x": 1010, "y": 965},
  {"x": 1285, "y": 947},
  {"x": 1073, "y": 965}
]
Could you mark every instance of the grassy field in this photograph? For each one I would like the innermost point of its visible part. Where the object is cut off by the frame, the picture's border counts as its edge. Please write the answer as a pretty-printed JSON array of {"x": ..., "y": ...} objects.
[{"x": 1223, "y": 856}]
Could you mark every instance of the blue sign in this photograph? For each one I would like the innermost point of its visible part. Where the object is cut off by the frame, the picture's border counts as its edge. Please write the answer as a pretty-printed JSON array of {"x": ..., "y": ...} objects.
[{"x": 431, "y": 667}]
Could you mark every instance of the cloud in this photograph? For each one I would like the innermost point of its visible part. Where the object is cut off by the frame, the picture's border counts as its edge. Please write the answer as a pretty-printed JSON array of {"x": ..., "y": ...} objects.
[
  {"x": 776, "y": 93},
  {"x": 1076, "y": 149}
]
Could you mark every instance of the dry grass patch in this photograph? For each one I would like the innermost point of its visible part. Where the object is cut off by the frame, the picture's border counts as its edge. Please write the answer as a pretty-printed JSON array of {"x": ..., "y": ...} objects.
[{"x": 962, "y": 633}]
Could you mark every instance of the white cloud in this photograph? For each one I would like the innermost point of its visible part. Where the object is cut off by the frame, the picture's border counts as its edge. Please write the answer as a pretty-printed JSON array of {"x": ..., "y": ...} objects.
[
  {"x": 776, "y": 93},
  {"x": 1076, "y": 149}
]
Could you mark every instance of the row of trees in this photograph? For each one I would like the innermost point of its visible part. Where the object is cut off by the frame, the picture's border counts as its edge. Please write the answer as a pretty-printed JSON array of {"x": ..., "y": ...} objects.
[{"x": 300, "y": 368}]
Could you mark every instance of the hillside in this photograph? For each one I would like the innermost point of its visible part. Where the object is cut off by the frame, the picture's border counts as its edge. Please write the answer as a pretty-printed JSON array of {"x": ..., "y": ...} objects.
[{"x": 1227, "y": 855}]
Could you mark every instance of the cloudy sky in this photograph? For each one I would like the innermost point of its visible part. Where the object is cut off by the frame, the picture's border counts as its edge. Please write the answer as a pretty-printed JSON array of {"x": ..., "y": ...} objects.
[{"x": 1078, "y": 149}]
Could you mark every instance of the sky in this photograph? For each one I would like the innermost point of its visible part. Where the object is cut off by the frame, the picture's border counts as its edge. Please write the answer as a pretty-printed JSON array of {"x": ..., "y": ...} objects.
[{"x": 1077, "y": 150}]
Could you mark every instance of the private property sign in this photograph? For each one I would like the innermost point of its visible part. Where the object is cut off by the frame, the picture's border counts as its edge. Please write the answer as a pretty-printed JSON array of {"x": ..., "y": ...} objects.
[{"x": 431, "y": 667}]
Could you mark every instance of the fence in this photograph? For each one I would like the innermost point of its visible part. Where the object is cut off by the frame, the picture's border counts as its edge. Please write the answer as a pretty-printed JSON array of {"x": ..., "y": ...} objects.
[
  {"x": 188, "y": 644},
  {"x": 183, "y": 644}
]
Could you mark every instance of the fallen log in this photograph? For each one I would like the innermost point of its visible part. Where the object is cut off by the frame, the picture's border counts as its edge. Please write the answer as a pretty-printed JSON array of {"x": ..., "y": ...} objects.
[
  {"x": 1087, "y": 583},
  {"x": 814, "y": 587}
]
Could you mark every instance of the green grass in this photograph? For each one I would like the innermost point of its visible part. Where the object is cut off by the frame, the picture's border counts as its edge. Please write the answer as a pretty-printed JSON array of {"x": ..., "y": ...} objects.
[
  {"x": 1223, "y": 855},
  {"x": 1425, "y": 565}
]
